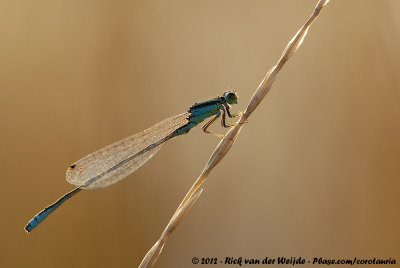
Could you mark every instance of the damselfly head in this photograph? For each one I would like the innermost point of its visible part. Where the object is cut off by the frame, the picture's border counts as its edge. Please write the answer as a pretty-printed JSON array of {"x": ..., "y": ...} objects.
[{"x": 230, "y": 97}]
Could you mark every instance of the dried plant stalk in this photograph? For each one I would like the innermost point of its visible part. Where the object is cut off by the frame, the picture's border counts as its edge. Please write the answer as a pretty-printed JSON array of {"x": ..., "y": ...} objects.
[
  {"x": 152, "y": 256},
  {"x": 226, "y": 143}
]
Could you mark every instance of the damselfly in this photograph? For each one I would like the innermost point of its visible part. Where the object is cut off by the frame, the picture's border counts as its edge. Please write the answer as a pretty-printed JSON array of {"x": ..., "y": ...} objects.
[{"x": 118, "y": 160}]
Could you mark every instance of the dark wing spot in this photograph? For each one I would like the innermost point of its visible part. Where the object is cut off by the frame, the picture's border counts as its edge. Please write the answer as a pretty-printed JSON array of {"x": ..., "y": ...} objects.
[{"x": 71, "y": 167}]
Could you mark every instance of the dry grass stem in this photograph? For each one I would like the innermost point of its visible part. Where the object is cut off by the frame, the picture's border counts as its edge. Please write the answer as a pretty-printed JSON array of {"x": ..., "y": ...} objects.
[
  {"x": 151, "y": 257},
  {"x": 226, "y": 143}
]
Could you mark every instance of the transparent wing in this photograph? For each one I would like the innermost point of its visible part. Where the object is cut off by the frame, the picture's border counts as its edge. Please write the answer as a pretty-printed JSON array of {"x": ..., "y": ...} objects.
[{"x": 116, "y": 161}]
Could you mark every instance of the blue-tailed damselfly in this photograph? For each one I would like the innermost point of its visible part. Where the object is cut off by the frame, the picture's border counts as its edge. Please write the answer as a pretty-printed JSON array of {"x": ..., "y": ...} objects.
[{"x": 116, "y": 161}]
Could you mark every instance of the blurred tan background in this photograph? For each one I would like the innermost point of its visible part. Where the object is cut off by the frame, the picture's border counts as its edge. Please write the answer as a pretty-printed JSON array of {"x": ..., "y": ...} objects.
[{"x": 315, "y": 173}]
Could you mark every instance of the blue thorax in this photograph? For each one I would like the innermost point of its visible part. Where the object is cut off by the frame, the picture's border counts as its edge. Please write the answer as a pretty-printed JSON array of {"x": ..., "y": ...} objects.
[{"x": 201, "y": 111}]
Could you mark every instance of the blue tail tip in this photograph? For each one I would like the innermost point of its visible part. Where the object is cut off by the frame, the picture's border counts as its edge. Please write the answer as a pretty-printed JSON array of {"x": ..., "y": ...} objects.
[
  {"x": 32, "y": 224},
  {"x": 28, "y": 228}
]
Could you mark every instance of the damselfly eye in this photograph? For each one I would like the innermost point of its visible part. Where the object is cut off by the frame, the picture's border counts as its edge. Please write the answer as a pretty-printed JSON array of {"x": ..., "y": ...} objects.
[{"x": 230, "y": 97}]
